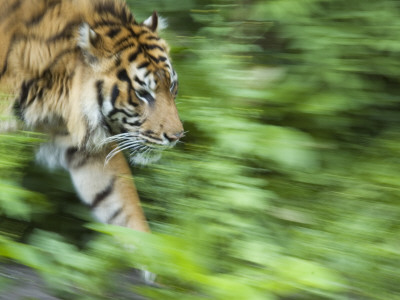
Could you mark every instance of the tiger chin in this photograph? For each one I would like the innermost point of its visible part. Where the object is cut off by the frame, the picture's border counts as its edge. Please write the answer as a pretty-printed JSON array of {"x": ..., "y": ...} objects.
[{"x": 98, "y": 83}]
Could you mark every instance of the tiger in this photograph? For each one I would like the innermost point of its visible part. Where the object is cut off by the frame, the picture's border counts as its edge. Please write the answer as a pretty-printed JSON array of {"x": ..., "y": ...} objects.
[{"x": 98, "y": 84}]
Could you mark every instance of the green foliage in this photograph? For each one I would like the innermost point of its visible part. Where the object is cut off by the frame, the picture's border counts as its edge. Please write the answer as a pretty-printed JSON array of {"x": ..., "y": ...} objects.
[
  {"x": 14, "y": 201},
  {"x": 287, "y": 184}
]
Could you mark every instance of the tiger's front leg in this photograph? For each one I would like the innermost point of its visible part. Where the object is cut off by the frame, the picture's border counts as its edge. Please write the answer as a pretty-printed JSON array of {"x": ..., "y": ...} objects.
[{"x": 107, "y": 188}]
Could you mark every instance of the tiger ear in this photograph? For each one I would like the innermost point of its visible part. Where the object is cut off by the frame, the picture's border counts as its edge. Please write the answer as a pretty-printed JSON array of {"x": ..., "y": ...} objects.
[
  {"x": 88, "y": 41},
  {"x": 155, "y": 23}
]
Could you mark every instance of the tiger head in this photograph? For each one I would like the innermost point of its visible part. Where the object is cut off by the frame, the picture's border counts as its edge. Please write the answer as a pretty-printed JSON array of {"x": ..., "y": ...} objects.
[{"x": 135, "y": 84}]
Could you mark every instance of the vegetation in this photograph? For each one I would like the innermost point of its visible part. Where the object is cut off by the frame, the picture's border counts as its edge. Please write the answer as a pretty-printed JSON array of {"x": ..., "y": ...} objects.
[{"x": 286, "y": 186}]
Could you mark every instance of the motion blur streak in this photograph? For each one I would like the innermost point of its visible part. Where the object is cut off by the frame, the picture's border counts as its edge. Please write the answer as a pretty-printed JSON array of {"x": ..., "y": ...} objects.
[{"x": 286, "y": 185}]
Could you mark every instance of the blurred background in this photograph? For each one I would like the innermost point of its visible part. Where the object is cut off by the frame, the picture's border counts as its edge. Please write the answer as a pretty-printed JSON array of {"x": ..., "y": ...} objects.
[{"x": 286, "y": 187}]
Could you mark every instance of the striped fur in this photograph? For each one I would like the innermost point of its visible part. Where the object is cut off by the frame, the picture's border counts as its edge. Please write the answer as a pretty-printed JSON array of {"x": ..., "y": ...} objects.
[{"x": 98, "y": 82}]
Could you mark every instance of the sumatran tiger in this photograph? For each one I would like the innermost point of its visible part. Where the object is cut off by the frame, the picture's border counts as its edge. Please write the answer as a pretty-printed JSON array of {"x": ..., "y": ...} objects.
[{"x": 97, "y": 82}]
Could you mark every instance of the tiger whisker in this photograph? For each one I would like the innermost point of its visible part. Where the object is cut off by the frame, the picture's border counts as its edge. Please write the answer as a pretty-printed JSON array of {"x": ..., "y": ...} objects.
[
  {"x": 129, "y": 142},
  {"x": 127, "y": 146},
  {"x": 123, "y": 134},
  {"x": 118, "y": 138},
  {"x": 118, "y": 149},
  {"x": 147, "y": 151}
]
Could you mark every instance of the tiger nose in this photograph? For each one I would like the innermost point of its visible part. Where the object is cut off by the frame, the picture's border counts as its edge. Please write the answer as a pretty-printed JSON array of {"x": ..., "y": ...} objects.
[{"x": 175, "y": 136}]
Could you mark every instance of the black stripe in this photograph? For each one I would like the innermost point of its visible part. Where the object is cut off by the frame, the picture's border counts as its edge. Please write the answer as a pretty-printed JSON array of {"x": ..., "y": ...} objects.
[
  {"x": 142, "y": 83},
  {"x": 151, "y": 47},
  {"x": 130, "y": 101},
  {"x": 134, "y": 55},
  {"x": 113, "y": 32},
  {"x": 18, "y": 111},
  {"x": 143, "y": 65},
  {"x": 146, "y": 95},
  {"x": 16, "y": 38},
  {"x": 66, "y": 33},
  {"x": 107, "y": 126},
  {"x": 135, "y": 124},
  {"x": 36, "y": 19},
  {"x": 59, "y": 57},
  {"x": 124, "y": 47},
  {"x": 69, "y": 154},
  {"x": 102, "y": 23},
  {"x": 115, "y": 215},
  {"x": 123, "y": 76},
  {"x": 75, "y": 158},
  {"x": 114, "y": 94},
  {"x": 153, "y": 58},
  {"x": 38, "y": 91},
  {"x": 154, "y": 138},
  {"x": 11, "y": 9},
  {"x": 122, "y": 111},
  {"x": 157, "y": 60},
  {"x": 31, "y": 87},
  {"x": 37, "y": 94},
  {"x": 130, "y": 115},
  {"x": 143, "y": 31},
  {"x": 103, "y": 194},
  {"x": 99, "y": 90},
  {"x": 152, "y": 38},
  {"x": 24, "y": 92},
  {"x": 121, "y": 13},
  {"x": 133, "y": 33},
  {"x": 122, "y": 41},
  {"x": 149, "y": 132}
]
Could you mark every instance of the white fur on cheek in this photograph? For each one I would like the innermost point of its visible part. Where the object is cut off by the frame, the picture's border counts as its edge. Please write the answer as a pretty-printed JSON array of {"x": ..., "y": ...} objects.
[{"x": 107, "y": 106}]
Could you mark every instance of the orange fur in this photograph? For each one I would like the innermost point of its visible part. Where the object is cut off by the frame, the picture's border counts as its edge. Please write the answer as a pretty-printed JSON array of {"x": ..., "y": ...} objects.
[{"x": 85, "y": 71}]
